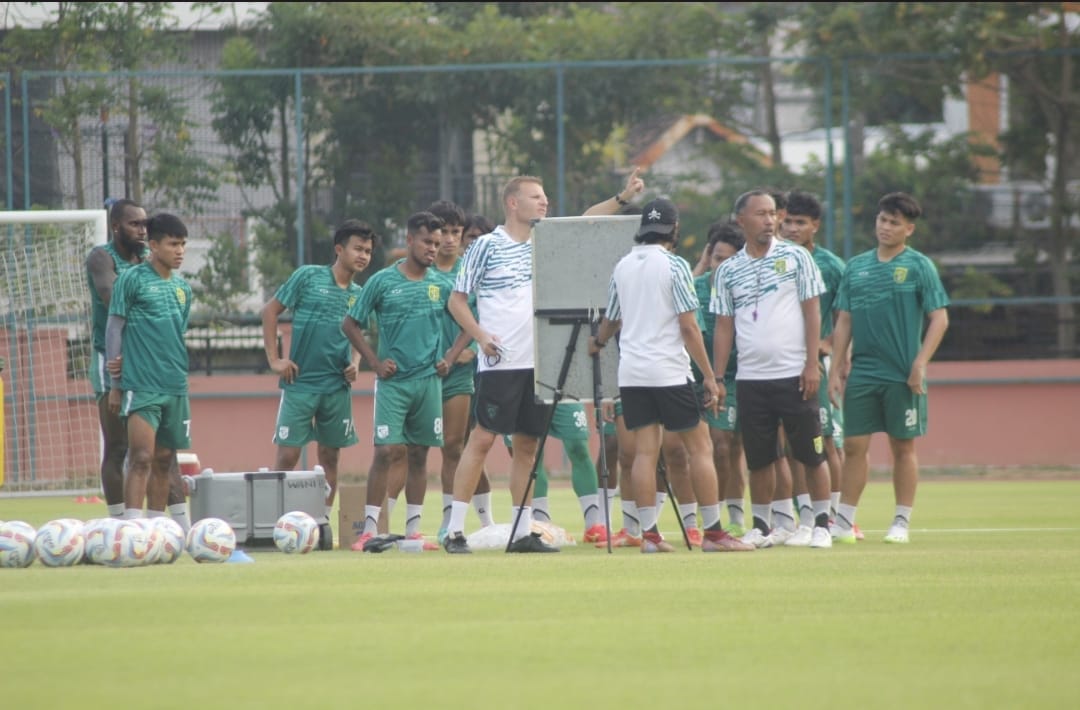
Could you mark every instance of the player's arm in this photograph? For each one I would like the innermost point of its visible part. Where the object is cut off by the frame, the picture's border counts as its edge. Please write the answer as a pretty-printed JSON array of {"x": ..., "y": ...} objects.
[
  {"x": 459, "y": 346},
  {"x": 458, "y": 306},
  {"x": 383, "y": 368},
  {"x": 723, "y": 341},
  {"x": 810, "y": 379},
  {"x": 114, "y": 346},
  {"x": 935, "y": 331},
  {"x": 695, "y": 347},
  {"x": 604, "y": 333},
  {"x": 99, "y": 266},
  {"x": 281, "y": 366},
  {"x": 841, "y": 340},
  {"x": 702, "y": 264},
  {"x": 634, "y": 187}
]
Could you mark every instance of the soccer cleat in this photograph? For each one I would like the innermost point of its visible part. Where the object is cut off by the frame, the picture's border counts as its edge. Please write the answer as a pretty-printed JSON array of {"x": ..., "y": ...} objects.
[
  {"x": 694, "y": 536},
  {"x": 358, "y": 546},
  {"x": 531, "y": 543},
  {"x": 622, "y": 539},
  {"x": 858, "y": 533},
  {"x": 820, "y": 538},
  {"x": 655, "y": 542},
  {"x": 844, "y": 537},
  {"x": 441, "y": 537},
  {"x": 802, "y": 537},
  {"x": 597, "y": 533},
  {"x": 756, "y": 538},
  {"x": 427, "y": 546},
  {"x": 456, "y": 544},
  {"x": 778, "y": 536},
  {"x": 897, "y": 535},
  {"x": 326, "y": 537},
  {"x": 721, "y": 541},
  {"x": 735, "y": 529}
]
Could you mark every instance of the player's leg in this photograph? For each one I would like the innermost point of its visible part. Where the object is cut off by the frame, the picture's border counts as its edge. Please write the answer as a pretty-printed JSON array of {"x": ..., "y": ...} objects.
[
  {"x": 676, "y": 459},
  {"x": 173, "y": 433},
  {"x": 802, "y": 427},
  {"x": 905, "y": 421},
  {"x": 415, "y": 491},
  {"x": 455, "y": 427},
  {"x": 570, "y": 424},
  {"x": 143, "y": 416},
  {"x": 864, "y": 412},
  {"x": 759, "y": 424},
  {"x": 114, "y": 442},
  {"x": 390, "y": 457},
  {"x": 782, "y": 509},
  {"x": 177, "y": 497},
  {"x": 608, "y": 480}
]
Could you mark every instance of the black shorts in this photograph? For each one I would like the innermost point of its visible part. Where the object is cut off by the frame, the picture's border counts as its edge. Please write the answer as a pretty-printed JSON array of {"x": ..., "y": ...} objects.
[
  {"x": 675, "y": 408},
  {"x": 763, "y": 404},
  {"x": 506, "y": 403}
]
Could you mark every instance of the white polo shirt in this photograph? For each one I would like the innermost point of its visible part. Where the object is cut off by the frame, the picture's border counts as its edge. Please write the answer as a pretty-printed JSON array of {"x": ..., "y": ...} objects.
[{"x": 649, "y": 288}]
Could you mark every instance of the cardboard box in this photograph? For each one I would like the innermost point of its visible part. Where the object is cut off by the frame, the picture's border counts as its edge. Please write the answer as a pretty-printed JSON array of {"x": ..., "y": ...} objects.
[{"x": 351, "y": 501}]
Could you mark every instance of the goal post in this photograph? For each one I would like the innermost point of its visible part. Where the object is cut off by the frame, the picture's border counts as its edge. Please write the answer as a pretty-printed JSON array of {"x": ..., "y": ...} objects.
[{"x": 52, "y": 438}]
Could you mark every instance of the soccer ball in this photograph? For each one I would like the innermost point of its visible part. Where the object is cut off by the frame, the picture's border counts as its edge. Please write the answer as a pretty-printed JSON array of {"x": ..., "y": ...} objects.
[
  {"x": 127, "y": 544},
  {"x": 296, "y": 532},
  {"x": 154, "y": 541},
  {"x": 211, "y": 540},
  {"x": 94, "y": 532},
  {"x": 172, "y": 540},
  {"x": 60, "y": 543},
  {"x": 17, "y": 544}
]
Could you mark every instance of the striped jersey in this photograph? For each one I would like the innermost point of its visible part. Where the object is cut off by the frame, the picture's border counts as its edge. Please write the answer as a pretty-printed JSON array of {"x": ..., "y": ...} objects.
[
  {"x": 156, "y": 313},
  {"x": 703, "y": 286},
  {"x": 497, "y": 270},
  {"x": 649, "y": 288},
  {"x": 318, "y": 345},
  {"x": 450, "y": 328},
  {"x": 99, "y": 312},
  {"x": 832, "y": 268},
  {"x": 408, "y": 317},
  {"x": 765, "y": 298},
  {"x": 888, "y": 302}
]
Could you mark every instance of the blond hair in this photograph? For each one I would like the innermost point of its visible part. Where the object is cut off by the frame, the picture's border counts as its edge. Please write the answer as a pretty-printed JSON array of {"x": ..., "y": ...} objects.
[{"x": 515, "y": 184}]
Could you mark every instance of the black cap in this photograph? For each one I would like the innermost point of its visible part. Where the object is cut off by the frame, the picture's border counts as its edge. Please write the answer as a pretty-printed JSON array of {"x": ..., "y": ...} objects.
[{"x": 658, "y": 217}]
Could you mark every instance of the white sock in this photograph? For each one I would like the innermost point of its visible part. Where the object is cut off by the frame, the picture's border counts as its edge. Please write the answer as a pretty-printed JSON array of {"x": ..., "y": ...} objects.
[
  {"x": 845, "y": 516},
  {"x": 630, "y": 519},
  {"x": 834, "y": 503},
  {"x": 821, "y": 507},
  {"x": 132, "y": 513},
  {"x": 371, "y": 519},
  {"x": 735, "y": 511},
  {"x": 447, "y": 504},
  {"x": 760, "y": 511},
  {"x": 116, "y": 510},
  {"x": 783, "y": 512},
  {"x": 611, "y": 494},
  {"x": 482, "y": 503},
  {"x": 902, "y": 516},
  {"x": 540, "y": 510},
  {"x": 688, "y": 513},
  {"x": 524, "y": 525},
  {"x": 390, "y": 503},
  {"x": 412, "y": 518},
  {"x": 458, "y": 509},
  {"x": 155, "y": 513},
  {"x": 590, "y": 509},
  {"x": 710, "y": 516},
  {"x": 179, "y": 513},
  {"x": 806, "y": 510},
  {"x": 648, "y": 517},
  {"x": 661, "y": 498}
]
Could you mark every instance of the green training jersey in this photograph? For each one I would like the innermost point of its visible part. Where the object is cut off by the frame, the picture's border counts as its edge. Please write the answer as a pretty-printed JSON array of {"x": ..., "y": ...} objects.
[
  {"x": 888, "y": 302},
  {"x": 99, "y": 312},
  {"x": 832, "y": 268},
  {"x": 450, "y": 328},
  {"x": 156, "y": 313},
  {"x": 703, "y": 285},
  {"x": 319, "y": 346},
  {"x": 408, "y": 316}
]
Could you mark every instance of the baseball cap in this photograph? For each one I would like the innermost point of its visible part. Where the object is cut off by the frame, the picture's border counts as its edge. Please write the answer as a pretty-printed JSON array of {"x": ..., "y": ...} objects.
[{"x": 658, "y": 217}]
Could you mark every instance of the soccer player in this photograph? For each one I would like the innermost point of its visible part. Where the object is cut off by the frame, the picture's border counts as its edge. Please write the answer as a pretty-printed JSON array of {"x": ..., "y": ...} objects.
[
  {"x": 766, "y": 297},
  {"x": 405, "y": 300},
  {"x": 652, "y": 302},
  {"x": 800, "y": 225},
  {"x": 886, "y": 296},
  {"x": 148, "y": 316},
  {"x": 316, "y": 378},
  {"x": 498, "y": 270}
]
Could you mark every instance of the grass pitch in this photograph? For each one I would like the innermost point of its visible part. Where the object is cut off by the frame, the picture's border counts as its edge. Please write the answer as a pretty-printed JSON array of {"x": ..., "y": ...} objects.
[{"x": 979, "y": 611}]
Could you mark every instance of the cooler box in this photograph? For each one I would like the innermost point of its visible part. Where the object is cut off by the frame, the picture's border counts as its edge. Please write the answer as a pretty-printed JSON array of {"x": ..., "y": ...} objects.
[{"x": 252, "y": 502}]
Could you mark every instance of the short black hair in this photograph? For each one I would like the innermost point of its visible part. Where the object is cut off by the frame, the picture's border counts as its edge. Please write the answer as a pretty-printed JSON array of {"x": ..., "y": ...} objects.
[
  {"x": 448, "y": 212},
  {"x": 423, "y": 220},
  {"x": 355, "y": 228},
  {"x": 740, "y": 202},
  {"x": 803, "y": 204},
  {"x": 480, "y": 222},
  {"x": 728, "y": 232},
  {"x": 900, "y": 203},
  {"x": 117, "y": 207},
  {"x": 779, "y": 197},
  {"x": 164, "y": 225}
]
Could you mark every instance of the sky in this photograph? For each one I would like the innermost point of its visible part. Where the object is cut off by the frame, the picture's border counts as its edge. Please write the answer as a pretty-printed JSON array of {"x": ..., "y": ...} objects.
[{"x": 27, "y": 14}]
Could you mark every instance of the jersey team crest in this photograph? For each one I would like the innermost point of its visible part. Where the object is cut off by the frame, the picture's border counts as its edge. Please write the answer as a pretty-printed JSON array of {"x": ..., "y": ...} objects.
[
  {"x": 433, "y": 292},
  {"x": 181, "y": 297},
  {"x": 900, "y": 275},
  {"x": 780, "y": 266}
]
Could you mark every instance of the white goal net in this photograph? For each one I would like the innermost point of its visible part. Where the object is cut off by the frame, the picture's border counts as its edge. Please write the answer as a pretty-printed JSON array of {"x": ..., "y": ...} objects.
[{"x": 52, "y": 439}]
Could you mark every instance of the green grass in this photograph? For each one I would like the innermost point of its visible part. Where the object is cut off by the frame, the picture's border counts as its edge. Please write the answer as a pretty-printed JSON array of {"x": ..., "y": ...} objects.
[{"x": 970, "y": 614}]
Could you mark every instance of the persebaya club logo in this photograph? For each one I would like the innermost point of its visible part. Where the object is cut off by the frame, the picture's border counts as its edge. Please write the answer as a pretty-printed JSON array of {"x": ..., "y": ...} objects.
[
  {"x": 900, "y": 275},
  {"x": 352, "y": 300},
  {"x": 780, "y": 266},
  {"x": 181, "y": 297},
  {"x": 433, "y": 292}
]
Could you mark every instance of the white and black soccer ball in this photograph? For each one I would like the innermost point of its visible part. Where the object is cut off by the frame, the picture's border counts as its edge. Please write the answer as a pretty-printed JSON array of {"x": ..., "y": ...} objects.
[
  {"x": 127, "y": 544},
  {"x": 172, "y": 540},
  {"x": 296, "y": 532},
  {"x": 17, "y": 544},
  {"x": 60, "y": 543},
  {"x": 211, "y": 540}
]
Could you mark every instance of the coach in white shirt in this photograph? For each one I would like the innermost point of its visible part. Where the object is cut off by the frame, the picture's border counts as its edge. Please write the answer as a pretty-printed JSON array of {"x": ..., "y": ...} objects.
[{"x": 653, "y": 301}]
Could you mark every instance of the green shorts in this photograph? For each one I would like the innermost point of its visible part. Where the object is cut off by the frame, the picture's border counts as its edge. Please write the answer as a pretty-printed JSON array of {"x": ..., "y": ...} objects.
[
  {"x": 99, "y": 377},
  {"x": 325, "y": 417},
  {"x": 888, "y": 407},
  {"x": 832, "y": 422},
  {"x": 609, "y": 427},
  {"x": 409, "y": 411},
  {"x": 168, "y": 414},
  {"x": 726, "y": 417},
  {"x": 570, "y": 422},
  {"x": 460, "y": 380}
]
